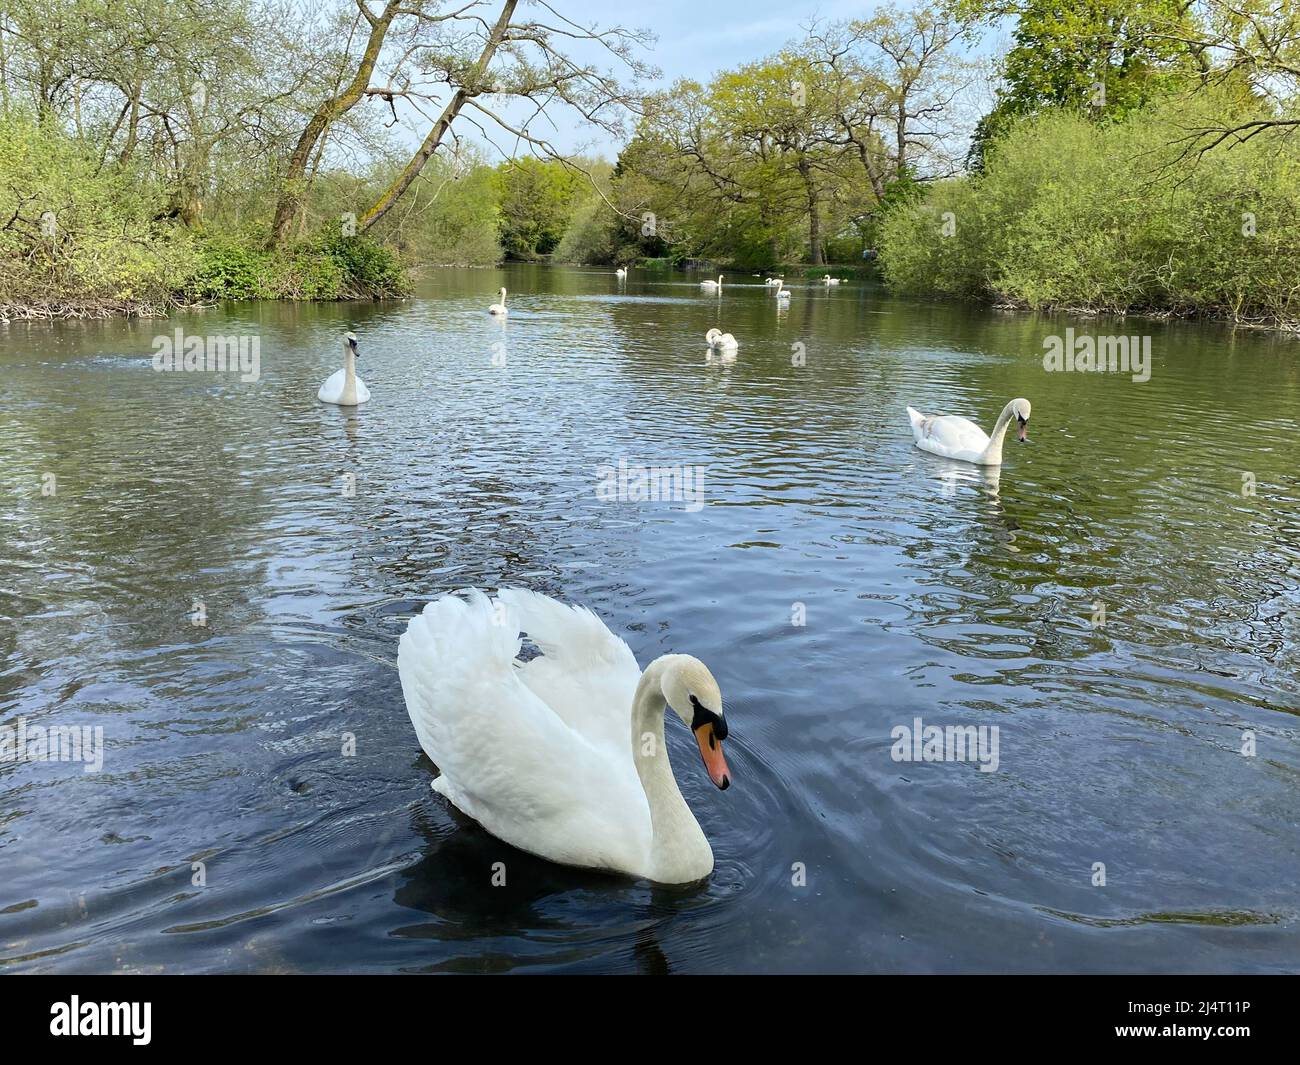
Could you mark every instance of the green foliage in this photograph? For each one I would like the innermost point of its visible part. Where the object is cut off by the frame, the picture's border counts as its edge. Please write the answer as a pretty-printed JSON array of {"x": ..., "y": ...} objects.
[
  {"x": 1105, "y": 58},
  {"x": 592, "y": 236},
  {"x": 332, "y": 266},
  {"x": 78, "y": 234},
  {"x": 537, "y": 199},
  {"x": 1115, "y": 217}
]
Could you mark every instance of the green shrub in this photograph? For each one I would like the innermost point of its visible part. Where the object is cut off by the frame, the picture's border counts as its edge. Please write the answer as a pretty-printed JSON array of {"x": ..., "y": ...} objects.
[
  {"x": 79, "y": 234},
  {"x": 1113, "y": 217},
  {"x": 329, "y": 267}
]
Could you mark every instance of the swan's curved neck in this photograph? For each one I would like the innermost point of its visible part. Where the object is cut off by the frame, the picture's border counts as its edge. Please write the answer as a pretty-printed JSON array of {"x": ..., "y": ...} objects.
[
  {"x": 349, "y": 375},
  {"x": 993, "y": 452},
  {"x": 679, "y": 849}
]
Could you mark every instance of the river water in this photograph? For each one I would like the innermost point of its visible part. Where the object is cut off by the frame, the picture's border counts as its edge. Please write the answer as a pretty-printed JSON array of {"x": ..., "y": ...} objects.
[{"x": 216, "y": 572}]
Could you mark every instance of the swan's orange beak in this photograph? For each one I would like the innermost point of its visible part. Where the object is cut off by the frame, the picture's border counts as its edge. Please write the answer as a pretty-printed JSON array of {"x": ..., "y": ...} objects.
[{"x": 711, "y": 752}]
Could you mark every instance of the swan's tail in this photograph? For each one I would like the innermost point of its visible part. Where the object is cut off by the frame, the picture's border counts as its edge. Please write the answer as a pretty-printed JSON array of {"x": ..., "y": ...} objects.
[
  {"x": 918, "y": 422},
  {"x": 448, "y": 650},
  {"x": 572, "y": 637}
]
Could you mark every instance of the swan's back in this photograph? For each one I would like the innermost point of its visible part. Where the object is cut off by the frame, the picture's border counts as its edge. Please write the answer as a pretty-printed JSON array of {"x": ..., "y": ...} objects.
[
  {"x": 947, "y": 434},
  {"x": 529, "y": 750}
]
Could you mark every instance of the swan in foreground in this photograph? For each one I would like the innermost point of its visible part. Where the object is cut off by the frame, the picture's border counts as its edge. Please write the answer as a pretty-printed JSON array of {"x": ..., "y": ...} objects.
[
  {"x": 562, "y": 756},
  {"x": 621, "y": 273},
  {"x": 343, "y": 386},
  {"x": 720, "y": 341},
  {"x": 961, "y": 439},
  {"x": 782, "y": 293},
  {"x": 499, "y": 308},
  {"x": 711, "y": 285}
]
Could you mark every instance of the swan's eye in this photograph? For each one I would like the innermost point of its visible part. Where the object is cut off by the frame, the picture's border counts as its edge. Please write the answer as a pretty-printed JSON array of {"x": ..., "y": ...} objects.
[{"x": 705, "y": 716}]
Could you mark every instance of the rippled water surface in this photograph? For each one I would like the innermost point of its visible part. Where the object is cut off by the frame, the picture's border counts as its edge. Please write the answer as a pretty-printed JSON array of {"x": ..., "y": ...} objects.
[{"x": 928, "y": 590}]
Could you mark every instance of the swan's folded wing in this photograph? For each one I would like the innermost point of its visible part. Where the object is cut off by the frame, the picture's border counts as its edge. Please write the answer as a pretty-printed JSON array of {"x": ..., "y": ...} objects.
[
  {"x": 332, "y": 388},
  {"x": 507, "y": 760},
  {"x": 586, "y": 674}
]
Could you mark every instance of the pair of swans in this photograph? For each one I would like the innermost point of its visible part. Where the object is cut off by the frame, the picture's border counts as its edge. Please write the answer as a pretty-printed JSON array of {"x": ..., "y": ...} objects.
[
  {"x": 562, "y": 756},
  {"x": 720, "y": 341},
  {"x": 711, "y": 286},
  {"x": 343, "y": 387},
  {"x": 963, "y": 440}
]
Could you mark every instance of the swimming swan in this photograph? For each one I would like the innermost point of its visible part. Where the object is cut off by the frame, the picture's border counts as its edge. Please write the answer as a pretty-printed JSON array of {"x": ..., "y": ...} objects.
[
  {"x": 828, "y": 280},
  {"x": 782, "y": 293},
  {"x": 621, "y": 273},
  {"x": 562, "y": 756},
  {"x": 961, "y": 439},
  {"x": 499, "y": 308},
  {"x": 720, "y": 341},
  {"x": 343, "y": 386},
  {"x": 711, "y": 285}
]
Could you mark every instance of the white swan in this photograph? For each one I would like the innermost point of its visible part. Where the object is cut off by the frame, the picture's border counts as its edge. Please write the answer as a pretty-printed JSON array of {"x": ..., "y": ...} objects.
[
  {"x": 621, "y": 273},
  {"x": 499, "y": 308},
  {"x": 562, "y": 756},
  {"x": 828, "y": 280},
  {"x": 711, "y": 285},
  {"x": 782, "y": 293},
  {"x": 343, "y": 386},
  {"x": 961, "y": 439},
  {"x": 720, "y": 341},
  {"x": 772, "y": 281}
]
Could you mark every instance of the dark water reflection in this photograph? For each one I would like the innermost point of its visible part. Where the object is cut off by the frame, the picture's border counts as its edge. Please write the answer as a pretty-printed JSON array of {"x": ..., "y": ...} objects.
[{"x": 930, "y": 589}]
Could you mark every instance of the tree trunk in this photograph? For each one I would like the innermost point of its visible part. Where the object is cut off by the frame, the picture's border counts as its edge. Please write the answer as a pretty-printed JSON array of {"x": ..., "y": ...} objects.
[
  {"x": 814, "y": 214},
  {"x": 294, "y": 181},
  {"x": 430, "y": 144}
]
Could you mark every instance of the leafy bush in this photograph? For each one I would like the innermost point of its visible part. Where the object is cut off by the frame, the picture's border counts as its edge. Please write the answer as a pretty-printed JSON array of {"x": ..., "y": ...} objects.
[
  {"x": 80, "y": 235},
  {"x": 330, "y": 267},
  {"x": 1112, "y": 217}
]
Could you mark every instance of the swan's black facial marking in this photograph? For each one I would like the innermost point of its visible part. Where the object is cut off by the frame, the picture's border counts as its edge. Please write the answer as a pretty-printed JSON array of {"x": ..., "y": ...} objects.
[{"x": 704, "y": 716}]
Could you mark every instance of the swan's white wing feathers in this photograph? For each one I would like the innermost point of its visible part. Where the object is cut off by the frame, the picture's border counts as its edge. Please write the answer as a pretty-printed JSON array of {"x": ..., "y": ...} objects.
[
  {"x": 332, "y": 390},
  {"x": 585, "y": 673},
  {"x": 507, "y": 759},
  {"x": 947, "y": 434}
]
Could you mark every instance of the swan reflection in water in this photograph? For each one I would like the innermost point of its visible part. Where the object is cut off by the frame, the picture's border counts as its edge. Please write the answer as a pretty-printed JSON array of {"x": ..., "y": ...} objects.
[
  {"x": 955, "y": 476},
  {"x": 475, "y": 887}
]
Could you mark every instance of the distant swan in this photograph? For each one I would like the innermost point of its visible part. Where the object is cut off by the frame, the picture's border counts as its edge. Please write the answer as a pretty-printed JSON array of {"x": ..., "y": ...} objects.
[
  {"x": 343, "y": 386},
  {"x": 720, "y": 341},
  {"x": 711, "y": 285},
  {"x": 562, "y": 756},
  {"x": 961, "y": 439},
  {"x": 499, "y": 308},
  {"x": 771, "y": 281},
  {"x": 828, "y": 280}
]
